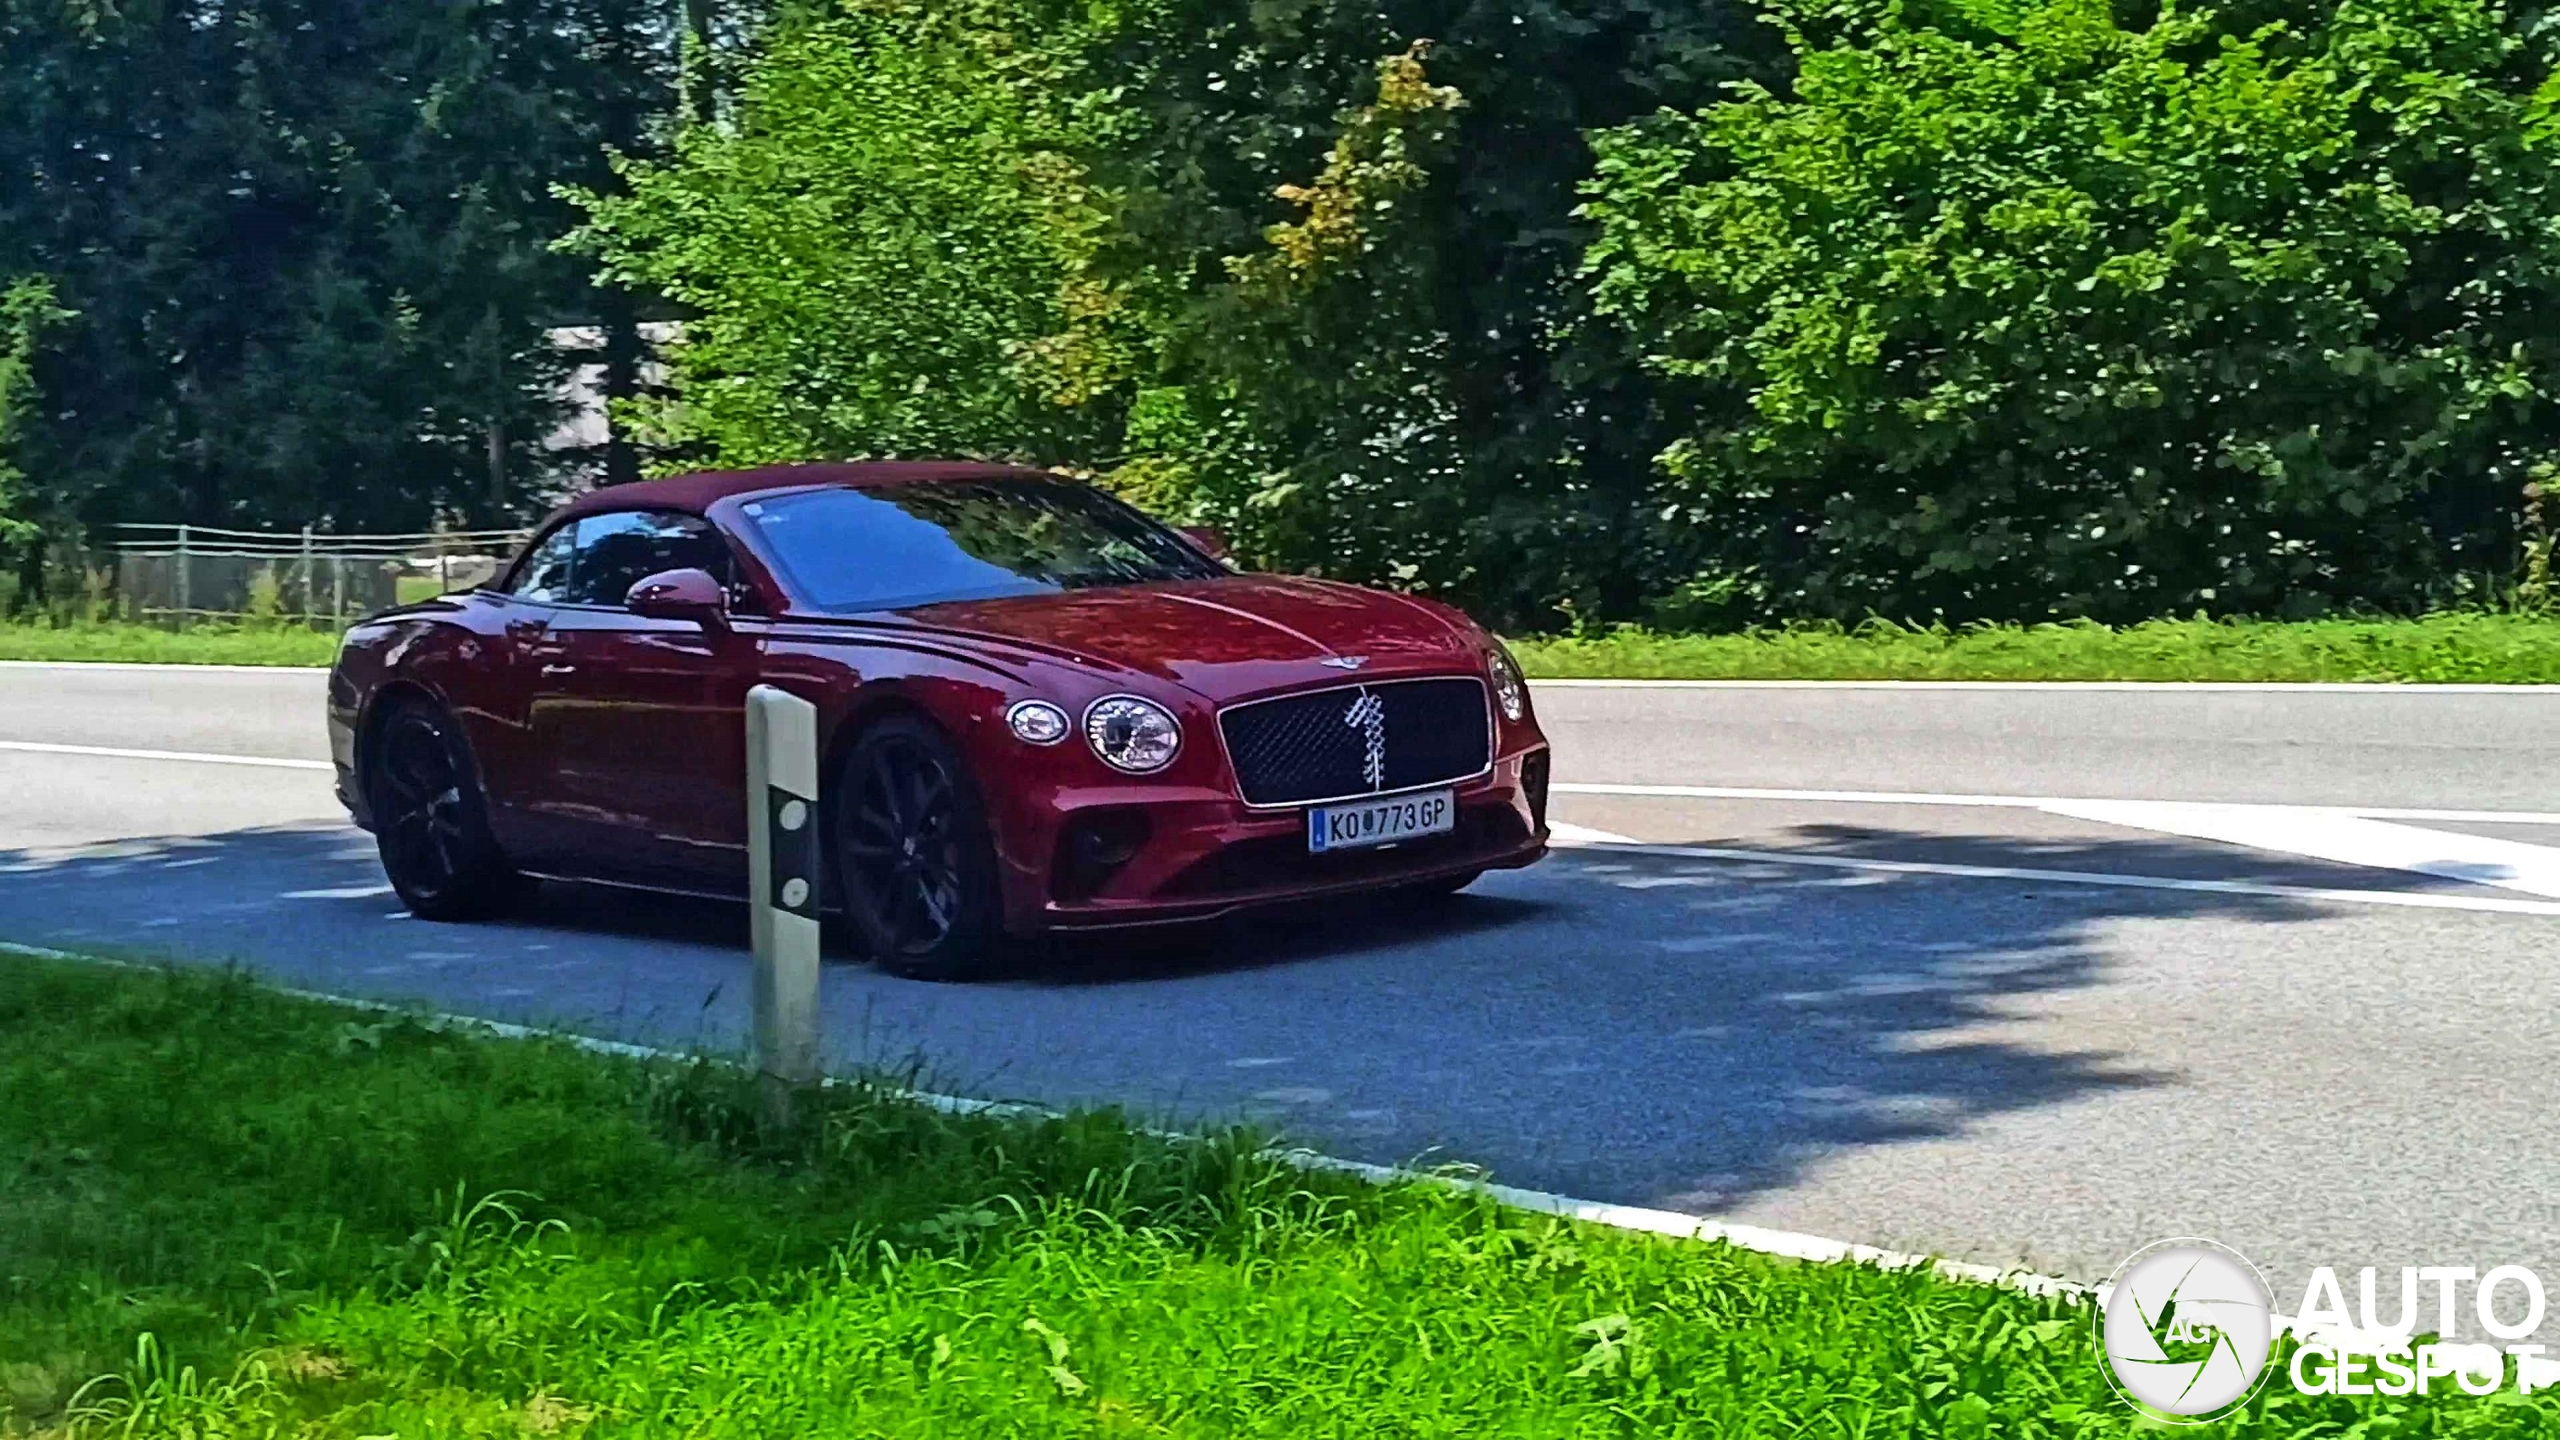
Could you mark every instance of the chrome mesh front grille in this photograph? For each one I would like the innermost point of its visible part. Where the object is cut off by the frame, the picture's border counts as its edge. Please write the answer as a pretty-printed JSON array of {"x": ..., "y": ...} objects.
[{"x": 1356, "y": 740}]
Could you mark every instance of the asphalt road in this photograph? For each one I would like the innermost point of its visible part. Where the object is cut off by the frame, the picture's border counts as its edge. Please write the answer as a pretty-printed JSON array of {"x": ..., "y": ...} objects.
[{"x": 2003, "y": 1023}]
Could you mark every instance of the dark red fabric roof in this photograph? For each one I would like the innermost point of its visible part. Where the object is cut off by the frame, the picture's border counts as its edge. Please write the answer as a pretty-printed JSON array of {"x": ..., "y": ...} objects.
[{"x": 693, "y": 493}]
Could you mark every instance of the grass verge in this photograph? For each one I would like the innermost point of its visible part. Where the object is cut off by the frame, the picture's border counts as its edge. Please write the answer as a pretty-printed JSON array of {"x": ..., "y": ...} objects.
[
  {"x": 264, "y": 1216},
  {"x": 147, "y": 644},
  {"x": 2469, "y": 647},
  {"x": 2474, "y": 647}
]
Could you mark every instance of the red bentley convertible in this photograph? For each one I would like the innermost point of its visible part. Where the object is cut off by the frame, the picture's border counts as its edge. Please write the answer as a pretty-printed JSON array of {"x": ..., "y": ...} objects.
[{"x": 1038, "y": 710}]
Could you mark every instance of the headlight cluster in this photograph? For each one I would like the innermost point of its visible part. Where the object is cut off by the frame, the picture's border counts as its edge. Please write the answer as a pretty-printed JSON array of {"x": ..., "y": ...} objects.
[
  {"x": 1135, "y": 736},
  {"x": 1138, "y": 736},
  {"x": 1509, "y": 690},
  {"x": 1036, "y": 722}
]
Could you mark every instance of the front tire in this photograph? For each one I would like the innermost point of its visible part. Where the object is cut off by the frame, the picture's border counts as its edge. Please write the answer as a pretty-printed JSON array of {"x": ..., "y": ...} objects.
[
  {"x": 431, "y": 819},
  {"x": 914, "y": 855}
]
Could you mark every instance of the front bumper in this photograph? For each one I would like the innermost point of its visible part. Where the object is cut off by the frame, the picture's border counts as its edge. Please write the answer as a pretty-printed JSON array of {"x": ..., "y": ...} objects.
[
  {"x": 342, "y": 754},
  {"x": 1113, "y": 858}
]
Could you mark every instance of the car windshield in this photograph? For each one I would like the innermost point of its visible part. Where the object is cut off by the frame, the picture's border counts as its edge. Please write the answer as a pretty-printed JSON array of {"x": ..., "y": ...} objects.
[{"x": 929, "y": 541}]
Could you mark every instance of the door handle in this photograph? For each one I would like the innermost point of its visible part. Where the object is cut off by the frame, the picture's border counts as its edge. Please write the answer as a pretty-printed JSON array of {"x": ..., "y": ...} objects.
[{"x": 549, "y": 670}]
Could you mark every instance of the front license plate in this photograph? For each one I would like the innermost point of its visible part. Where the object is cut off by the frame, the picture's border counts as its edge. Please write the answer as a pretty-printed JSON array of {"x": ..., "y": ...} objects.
[{"x": 1381, "y": 822}]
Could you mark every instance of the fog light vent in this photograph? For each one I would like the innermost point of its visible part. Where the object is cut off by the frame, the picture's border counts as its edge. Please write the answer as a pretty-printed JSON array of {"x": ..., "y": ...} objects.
[
  {"x": 1533, "y": 779},
  {"x": 1093, "y": 847}
]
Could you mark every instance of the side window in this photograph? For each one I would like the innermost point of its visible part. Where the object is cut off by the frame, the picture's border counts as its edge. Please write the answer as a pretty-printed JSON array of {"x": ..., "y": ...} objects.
[
  {"x": 618, "y": 551},
  {"x": 544, "y": 575}
]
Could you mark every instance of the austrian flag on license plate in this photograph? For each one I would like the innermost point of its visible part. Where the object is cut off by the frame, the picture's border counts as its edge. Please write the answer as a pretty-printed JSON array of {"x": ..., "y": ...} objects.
[{"x": 1381, "y": 822}]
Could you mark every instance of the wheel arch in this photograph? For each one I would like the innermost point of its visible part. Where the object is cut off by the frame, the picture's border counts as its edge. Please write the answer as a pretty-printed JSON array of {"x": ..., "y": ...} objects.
[
  {"x": 866, "y": 713},
  {"x": 385, "y": 701}
]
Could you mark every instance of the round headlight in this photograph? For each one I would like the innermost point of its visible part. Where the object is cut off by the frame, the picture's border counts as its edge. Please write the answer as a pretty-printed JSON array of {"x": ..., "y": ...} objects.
[
  {"x": 1131, "y": 734},
  {"x": 1036, "y": 722},
  {"x": 1509, "y": 691}
]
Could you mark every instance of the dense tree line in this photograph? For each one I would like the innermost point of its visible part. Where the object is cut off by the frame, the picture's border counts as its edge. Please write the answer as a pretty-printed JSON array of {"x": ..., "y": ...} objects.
[
  {"x": 1302, "y": 269},
  {"x": 302, "y": 249},
  {"x": 2030, "y": 313},
  {"x": 1704, "y": 310},
  {"x": 1977, "y": 310}
]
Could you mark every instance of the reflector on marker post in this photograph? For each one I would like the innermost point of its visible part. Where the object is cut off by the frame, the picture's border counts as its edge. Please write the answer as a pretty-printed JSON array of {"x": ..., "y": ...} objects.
[{"x": 782, "y": 881}]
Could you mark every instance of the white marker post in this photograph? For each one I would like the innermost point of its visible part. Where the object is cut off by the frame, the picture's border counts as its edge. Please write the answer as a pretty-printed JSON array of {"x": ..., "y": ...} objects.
[{"x": 782, "y": 886}]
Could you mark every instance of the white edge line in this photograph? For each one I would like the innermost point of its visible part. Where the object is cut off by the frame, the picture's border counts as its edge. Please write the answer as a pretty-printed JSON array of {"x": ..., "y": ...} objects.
[
  {"x": 193, "y": 757},
  {"x": 2039, "y": 802},
  {"x": 1784, "y": 1243},
  {"x": 1603, "y": 840},
  {"x": 2161, "y": 687},
  {"x": 140, "y": 665}
]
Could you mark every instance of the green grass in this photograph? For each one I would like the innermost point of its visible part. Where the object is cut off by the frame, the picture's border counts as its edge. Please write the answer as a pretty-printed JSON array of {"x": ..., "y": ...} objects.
[
  {"x": 2477, "y": 647},
  {"x": 340, "y": 1224},
  {"x": 2471, "y": 646},
  {"x": 147, "y": 644}
]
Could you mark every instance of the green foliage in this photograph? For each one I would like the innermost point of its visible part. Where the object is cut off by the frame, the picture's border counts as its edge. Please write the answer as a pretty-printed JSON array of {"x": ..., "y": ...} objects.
[
  {"x": 26, "y": 312},
  {"x": 2460, "y": 647},
  {"x": 268, "y": 1217},
  {"x": 2014, "y": 311},
  {"x": 1421, "y": 413},
  {"x": 309, "y": 244},
  {"x": 887, "y": 254},
  {"x": 2466, "y": 647},
  {"x": 149, "y": 644},
  {"x": 1291, "y": 269}
]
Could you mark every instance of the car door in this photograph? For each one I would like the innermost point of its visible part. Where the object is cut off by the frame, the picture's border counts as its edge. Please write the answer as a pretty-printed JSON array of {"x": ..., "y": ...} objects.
[
  {"x": 642, "y": 720},
  {"x": 499, "y": 715}
]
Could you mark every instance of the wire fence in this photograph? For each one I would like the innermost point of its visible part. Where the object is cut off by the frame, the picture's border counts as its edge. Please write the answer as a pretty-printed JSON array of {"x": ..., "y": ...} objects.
[{"x": 176, "y": 575}]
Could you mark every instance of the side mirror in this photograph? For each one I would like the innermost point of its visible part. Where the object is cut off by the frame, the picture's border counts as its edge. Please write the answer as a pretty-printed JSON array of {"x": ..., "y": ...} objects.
[
  {"x": 1209, "y": 539},
  {"x": 680, "y": 595}
]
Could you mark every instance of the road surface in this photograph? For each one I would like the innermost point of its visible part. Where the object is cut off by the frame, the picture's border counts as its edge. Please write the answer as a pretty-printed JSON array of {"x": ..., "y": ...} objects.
[{"x": 2024, "y": 975}]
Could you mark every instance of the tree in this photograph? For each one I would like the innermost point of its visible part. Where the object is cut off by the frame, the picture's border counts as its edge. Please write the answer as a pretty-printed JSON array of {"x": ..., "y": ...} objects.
[
  {"x": 1043, "y": 230},
  {"x": 310, "y": 242},
  {"x": 26, "y": 312},
  {"x": 881, "y": 255},
  {"x": 2020, "y": 312},
  {"x": 1427, "y": 413}
]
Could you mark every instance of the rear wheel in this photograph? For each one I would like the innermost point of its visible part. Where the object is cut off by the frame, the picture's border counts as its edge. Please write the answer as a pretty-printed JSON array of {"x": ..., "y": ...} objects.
[
  {"x": 431, "y": 821},
  {"x": 914, "y": 854}
]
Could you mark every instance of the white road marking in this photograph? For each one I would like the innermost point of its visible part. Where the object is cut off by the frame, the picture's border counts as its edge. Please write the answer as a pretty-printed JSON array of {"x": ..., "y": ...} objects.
[
  {"x": 2414, "y": 901},
  {"x": 2350, "y": 835},
  {"x": 192, "y": 757},
  {"x": 343, "y": 892},
  {"x": 2032, "y": 802},
  {"x": 1564, "y": 834},
  {"x": 2347, "y": 839}
]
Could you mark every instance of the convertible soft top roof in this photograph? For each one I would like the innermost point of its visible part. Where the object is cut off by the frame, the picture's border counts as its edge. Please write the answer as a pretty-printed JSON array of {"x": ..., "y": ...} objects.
[{"x": 694, "y": 493}]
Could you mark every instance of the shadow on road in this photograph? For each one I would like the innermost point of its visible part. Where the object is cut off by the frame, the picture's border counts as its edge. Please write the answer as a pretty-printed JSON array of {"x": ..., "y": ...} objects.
[{"x": 1621, "y": 1025}]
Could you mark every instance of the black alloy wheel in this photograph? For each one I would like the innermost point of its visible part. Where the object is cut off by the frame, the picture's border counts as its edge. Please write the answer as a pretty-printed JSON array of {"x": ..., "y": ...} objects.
[
  {"x": 914, "y": 853},
  {"x": 431, "y": 822}
]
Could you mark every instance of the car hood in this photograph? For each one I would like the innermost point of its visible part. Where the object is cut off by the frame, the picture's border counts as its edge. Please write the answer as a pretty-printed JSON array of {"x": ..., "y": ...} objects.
[{"x": 1223, "y": 637}]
